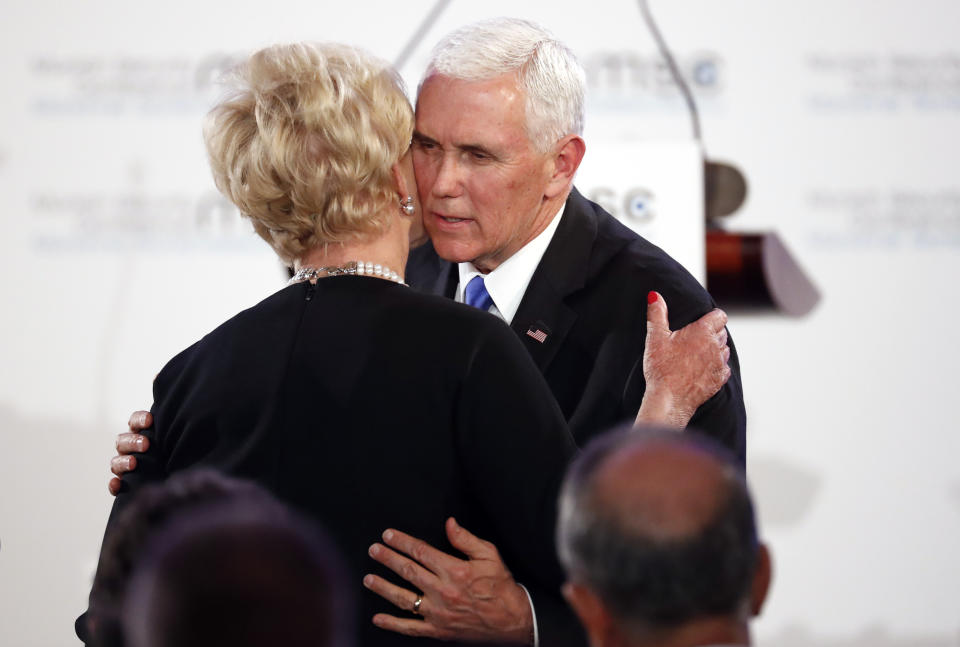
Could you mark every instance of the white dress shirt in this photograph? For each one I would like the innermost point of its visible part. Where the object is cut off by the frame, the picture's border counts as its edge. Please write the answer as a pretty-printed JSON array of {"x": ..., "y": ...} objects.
[
  {"x": 506, "y": 286},
  {"x": 507, "y": 283}
]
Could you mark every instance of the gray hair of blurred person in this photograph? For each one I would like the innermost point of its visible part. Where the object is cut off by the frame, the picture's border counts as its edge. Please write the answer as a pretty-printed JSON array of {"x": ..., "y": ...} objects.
[
  {"x": 649, "y": 579},
  {"x": 548, "y": 73},
  {"x": 244, "y": 573}
]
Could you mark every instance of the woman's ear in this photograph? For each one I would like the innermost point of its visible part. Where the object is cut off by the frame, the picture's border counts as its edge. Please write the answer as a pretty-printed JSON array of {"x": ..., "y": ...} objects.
[
  {"x": 409, "y": 211},
  {"x": 400, "y": 182}
]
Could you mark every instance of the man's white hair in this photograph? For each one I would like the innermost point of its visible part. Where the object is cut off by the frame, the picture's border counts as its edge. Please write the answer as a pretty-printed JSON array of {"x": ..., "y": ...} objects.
[{"x": 547, "y": 72}]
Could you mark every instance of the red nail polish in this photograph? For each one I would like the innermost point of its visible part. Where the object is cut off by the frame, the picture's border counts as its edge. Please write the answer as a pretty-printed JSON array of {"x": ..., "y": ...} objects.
[{"x": 651, "y": 297}]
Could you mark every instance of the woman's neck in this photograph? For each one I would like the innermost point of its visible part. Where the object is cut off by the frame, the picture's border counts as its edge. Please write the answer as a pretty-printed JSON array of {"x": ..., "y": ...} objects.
[{"x": 388, "y": 249}]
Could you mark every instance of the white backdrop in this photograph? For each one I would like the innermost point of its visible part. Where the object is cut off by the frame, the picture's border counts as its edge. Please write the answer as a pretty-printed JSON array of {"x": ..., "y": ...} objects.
[{"x": 843, "y": 115}]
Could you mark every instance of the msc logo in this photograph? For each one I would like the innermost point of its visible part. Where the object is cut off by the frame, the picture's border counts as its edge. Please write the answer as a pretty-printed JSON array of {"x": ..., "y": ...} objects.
[
  {"x": 705, "y": 73},
  {"x": 630, "y": 72},
  {"x": 635, "y": 205}
]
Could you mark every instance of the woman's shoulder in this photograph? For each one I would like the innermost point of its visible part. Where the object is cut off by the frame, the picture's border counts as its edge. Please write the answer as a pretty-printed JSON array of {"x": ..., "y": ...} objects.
[
  {"x": 457, "y": 336},
  {"x": 441, "y": 313},
  {"x": 247, "y": 327}
]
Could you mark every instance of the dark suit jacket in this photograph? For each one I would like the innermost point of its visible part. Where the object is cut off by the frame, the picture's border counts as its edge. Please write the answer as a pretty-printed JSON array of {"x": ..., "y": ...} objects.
[
  {"x": 589, "y": 295},
  {"x": 368, "y": 406}
]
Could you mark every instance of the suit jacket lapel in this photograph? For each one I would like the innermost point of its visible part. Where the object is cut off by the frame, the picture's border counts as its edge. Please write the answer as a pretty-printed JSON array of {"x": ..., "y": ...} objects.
[
  {"x": 428, "y": 273},
  {"x": 561, "y": 272}
]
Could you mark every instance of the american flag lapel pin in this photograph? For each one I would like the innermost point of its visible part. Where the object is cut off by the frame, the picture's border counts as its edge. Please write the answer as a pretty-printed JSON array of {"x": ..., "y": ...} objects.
[{"x": 538, "y": 331}]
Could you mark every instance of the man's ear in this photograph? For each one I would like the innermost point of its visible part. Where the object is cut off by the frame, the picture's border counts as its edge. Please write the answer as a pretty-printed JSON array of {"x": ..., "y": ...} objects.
[
  {"x": 588, "y": 607},
  {"x": 567, "y": 155},
  {"x": 762, "y": 576}
]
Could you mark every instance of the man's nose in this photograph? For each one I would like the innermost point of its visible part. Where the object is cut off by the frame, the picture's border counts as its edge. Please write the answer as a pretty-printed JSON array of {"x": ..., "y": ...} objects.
[{"x": 448, "y": 182}]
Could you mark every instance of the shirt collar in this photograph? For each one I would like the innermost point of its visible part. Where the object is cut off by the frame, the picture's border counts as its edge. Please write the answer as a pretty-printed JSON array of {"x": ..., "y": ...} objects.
[{"x": 507, "y": 283}]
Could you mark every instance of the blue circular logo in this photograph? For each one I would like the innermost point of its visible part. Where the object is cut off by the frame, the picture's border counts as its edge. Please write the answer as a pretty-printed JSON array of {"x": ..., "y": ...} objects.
[
  {"x": 705, "y": 73},
  {"x": 639, "y": 205}
]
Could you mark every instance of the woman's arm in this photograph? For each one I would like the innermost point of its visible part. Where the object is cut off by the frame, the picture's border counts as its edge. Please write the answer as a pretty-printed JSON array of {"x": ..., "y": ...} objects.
[{"x": 683, "y": 368}]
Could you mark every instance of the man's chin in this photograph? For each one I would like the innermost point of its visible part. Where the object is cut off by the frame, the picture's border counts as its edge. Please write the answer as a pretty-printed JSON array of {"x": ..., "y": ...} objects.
[{"x": 452, "y": 251}]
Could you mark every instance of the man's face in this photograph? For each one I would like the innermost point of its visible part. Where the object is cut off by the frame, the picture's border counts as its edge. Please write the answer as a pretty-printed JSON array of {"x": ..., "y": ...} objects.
[{"x": 480, "y": 179}]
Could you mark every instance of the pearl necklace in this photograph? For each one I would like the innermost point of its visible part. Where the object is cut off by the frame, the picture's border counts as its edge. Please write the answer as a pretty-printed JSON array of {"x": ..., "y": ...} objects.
[{"x": 355, "y": 268}]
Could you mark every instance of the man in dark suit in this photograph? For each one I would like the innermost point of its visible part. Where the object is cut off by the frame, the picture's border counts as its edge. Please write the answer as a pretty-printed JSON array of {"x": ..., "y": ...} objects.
[
  {"x": 497, "y": 144},
  {"x": 496, "y": 147},
  {"x": 588, "y": 296}
]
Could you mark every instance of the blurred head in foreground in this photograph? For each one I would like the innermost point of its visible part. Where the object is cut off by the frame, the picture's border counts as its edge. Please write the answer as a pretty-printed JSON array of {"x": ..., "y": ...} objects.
[
  {"x": 123, "y": 546},
  {"x": 658, "y": 538},
  {"x": 240, "y": 571}
]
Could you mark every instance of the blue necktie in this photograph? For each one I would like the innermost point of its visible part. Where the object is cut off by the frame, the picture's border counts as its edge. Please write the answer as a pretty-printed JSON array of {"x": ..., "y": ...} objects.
[{"x": 476, "y": 294}]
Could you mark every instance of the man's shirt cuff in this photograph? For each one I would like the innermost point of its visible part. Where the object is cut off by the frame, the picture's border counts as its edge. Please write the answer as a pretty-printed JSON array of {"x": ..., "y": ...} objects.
[{"x": 533, "y": 612}]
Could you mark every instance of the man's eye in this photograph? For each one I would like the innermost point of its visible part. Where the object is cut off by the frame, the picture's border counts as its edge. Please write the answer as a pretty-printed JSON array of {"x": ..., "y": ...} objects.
[
  {"x": 479, "y": 155},
  {"x": 424, "y": 146}
]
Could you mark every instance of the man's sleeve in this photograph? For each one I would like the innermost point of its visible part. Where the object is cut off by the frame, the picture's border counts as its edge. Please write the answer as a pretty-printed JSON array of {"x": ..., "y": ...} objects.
[
  {"x": 557, "y": 625},
  {"x": 723, "y": 417}
]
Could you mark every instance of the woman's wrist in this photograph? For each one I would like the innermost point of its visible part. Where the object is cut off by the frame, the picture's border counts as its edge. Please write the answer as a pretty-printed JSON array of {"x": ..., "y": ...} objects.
[{"x": 659, "y": 406}]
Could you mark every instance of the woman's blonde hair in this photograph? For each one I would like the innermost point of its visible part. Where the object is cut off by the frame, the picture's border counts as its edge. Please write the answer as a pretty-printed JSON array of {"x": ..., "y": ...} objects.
[{"x": 305, "y": 143}]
